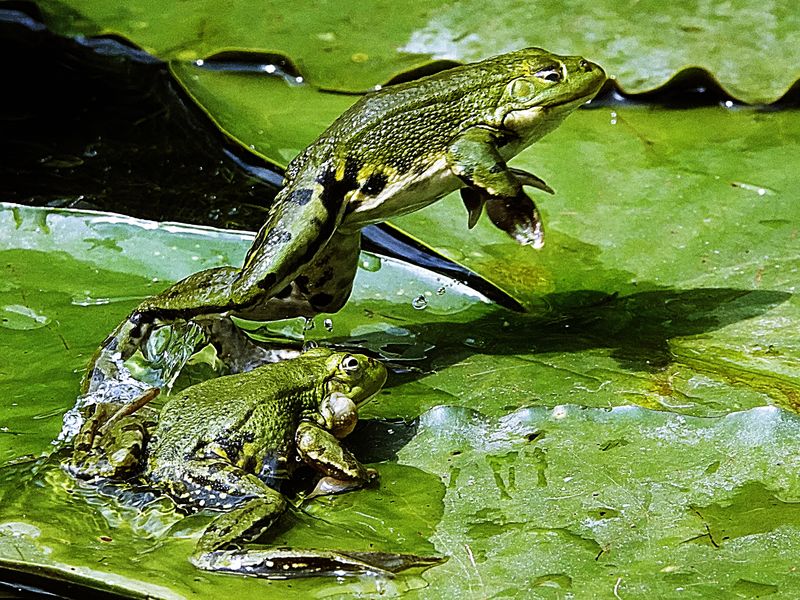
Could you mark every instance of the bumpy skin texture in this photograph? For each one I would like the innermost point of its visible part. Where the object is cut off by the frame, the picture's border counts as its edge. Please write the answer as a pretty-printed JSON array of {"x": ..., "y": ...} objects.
[
  {"x": 393, "y": 152},
  {"x": 218, "y": 444}
]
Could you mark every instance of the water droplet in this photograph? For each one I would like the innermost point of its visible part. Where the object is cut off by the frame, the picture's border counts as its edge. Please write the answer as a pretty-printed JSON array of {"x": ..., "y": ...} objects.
[
  {"x": 17, "y": 316},
  {"x": 328, "y": 324},
  {"x": 420, "y": 302},
  {"x": 756, "y": 189},
  {"x": 309, "y": 324},
  {"x": 441, "y": 291},
  {"x": 370, "y": 262},
  {"x": 474, "y": 343}
]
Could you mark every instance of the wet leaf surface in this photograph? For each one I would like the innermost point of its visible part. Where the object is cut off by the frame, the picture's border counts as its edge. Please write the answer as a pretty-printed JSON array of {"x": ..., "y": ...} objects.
[
  {"x": 537, "y": 443},
  {"x": 633, "y": 435},
  {"x": 346, "y": 47}
]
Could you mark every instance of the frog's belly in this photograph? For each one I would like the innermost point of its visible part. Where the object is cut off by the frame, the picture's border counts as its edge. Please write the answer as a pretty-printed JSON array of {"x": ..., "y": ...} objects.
[{"x": 403, "y": 196}]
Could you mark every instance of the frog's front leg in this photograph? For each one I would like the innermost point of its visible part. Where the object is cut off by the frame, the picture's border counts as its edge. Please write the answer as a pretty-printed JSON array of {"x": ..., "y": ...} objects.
[
  {"x": 475, "y": 158},
  {"x": 322, "y": 451}
]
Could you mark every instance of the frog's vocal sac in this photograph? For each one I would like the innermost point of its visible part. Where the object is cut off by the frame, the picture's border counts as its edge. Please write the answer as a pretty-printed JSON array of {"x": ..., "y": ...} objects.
[
  {"x": 394, "y": 151},
  {"x": 216, "y": 445}
]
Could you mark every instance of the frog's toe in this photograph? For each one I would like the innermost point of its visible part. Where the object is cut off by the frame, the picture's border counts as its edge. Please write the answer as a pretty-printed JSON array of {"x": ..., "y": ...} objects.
[{"x": 328, "y": 486}]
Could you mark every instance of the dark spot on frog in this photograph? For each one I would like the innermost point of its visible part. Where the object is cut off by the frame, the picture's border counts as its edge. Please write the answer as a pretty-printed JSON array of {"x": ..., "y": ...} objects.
[
  {"x": 267, "y": 281},
  {"x": 232, "y": 446},
  {"x": 374, "y": 184},
  {"x": 333, "y": 189},
  {"x": 277, "y": 237},
  {"x": 302, "y": 284},
  {"x": 321, "y": 300},
  {"x": 284, "y": 293},
  {"x": 301, "y": 197}
]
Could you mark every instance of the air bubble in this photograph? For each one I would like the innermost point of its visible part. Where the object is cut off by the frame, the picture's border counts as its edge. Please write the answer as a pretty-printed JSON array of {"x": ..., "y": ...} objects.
[{"x": 420, "y": 302}]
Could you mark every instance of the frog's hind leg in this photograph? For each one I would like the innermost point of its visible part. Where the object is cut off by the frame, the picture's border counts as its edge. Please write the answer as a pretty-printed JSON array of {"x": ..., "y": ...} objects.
[
  {"x": 221, "y": 547},
  {"x": 217, "y": 484},
  {"x": 324, "y": 285}
]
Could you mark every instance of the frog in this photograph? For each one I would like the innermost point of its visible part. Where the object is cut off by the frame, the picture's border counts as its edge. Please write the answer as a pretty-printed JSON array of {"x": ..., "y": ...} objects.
[
  {"x": 222, "y": 445},
  {"x": 394, "y": 151}
]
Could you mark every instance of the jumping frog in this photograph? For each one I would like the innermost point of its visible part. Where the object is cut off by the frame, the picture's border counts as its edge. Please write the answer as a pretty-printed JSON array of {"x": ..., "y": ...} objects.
[
  {"x": 217, "y": 444},
  {"x": 394, "y": 151}
]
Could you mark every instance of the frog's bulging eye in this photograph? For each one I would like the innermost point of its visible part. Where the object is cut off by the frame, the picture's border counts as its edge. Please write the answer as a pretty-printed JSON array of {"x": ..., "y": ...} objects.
[
  {"x": 350, "y": 364},
  {"x": 552, "y": 75}
]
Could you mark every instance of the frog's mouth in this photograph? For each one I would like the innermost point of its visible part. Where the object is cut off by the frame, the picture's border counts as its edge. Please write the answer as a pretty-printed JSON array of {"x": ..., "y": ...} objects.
[
  {"x": 579, "y": 101},
  {"x": 367, "y": 397}
]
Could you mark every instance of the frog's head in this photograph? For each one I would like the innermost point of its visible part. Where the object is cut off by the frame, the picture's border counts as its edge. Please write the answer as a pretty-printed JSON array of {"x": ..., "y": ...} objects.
[
  {"x": 351, "y": 380},
  {"x": 539, "y": 89}
]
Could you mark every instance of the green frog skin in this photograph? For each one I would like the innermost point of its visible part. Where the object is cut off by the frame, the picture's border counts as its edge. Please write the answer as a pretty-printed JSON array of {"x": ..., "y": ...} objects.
[
  {"x": 394, "y": 151},
  {"x": 216, "y": 444}
]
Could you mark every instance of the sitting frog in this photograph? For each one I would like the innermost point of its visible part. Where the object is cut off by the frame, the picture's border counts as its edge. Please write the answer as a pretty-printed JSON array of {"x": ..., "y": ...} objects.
[
  {"x": 217, "y": 444},
  {"x": 394, "y": 151}
]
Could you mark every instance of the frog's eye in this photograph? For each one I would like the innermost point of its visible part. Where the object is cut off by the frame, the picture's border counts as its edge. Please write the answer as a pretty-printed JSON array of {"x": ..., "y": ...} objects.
[
  {"x": 350, "y": 364},
  {"x": 552, "y": 74},
  {"x": 521, "y": 89}
]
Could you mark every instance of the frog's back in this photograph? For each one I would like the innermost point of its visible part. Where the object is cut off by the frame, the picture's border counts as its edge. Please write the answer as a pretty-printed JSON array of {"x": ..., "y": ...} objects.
[
  {"x": 262, "y": 406},
  {"x": 394, "y": 125}
]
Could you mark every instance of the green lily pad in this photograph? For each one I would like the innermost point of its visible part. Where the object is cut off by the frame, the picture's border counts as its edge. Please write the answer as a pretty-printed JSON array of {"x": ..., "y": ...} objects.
[
  {"x": 584, "y": 502},
  {"x": 265, "y": 114},
  {"x": 356, "y": 46},
  {"x": 634, "y": 435},
  {"x": 518, "y": 457},
  {"x": 659, "y": 207},
  {"x": 84, "y": 272}
]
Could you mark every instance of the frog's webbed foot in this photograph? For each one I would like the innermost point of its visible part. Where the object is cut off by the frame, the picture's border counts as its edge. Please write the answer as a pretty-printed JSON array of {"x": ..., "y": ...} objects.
[
  {"x": 531, "y": 180},
  {"x": 328, "y": 486},
  {"x": 322, "y": 451},
  {"x": 226, "y": 545},
  {"x": 285, "y": 563},
  {"x": 518, "y": 217},
  {"x": 111, "y": 442},
  {"x": 474, "y": 158}
]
